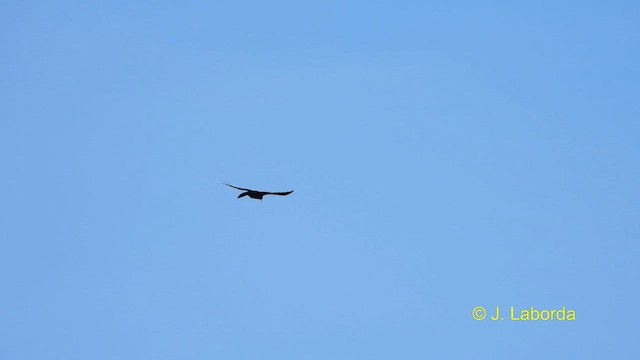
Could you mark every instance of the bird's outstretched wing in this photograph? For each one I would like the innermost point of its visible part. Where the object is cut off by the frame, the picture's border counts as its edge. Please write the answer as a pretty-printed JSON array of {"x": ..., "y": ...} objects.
[
  {"x": 239, "y": 188},
  {"x": 279, "y": 193}
]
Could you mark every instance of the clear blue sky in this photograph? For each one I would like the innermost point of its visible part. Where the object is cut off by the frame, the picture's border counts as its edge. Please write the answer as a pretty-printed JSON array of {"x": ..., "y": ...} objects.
[{"x": 444, "y": 155}]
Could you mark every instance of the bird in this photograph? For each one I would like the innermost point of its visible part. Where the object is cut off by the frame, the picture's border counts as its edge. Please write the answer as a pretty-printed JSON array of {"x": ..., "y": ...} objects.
[{"x": 254, "y": 194}]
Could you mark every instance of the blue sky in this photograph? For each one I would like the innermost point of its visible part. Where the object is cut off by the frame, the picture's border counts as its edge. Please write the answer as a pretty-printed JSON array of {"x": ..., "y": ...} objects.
[{"x": 444, "y": 155}]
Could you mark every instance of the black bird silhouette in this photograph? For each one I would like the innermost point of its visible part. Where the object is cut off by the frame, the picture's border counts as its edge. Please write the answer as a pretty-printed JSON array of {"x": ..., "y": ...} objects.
[{"x": 254, "y": 194}]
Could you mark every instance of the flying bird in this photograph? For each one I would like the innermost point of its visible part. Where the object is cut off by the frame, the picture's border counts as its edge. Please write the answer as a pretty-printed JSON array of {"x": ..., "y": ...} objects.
[{"x": 254, "y": 194}]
